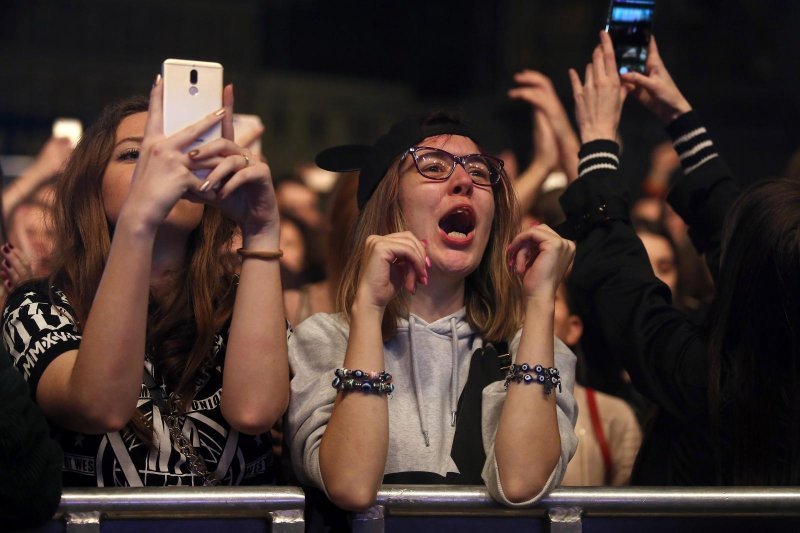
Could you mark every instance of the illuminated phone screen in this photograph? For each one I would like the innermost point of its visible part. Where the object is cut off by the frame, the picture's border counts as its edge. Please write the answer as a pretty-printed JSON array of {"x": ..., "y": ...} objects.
[{"x": 630, "y": 24}]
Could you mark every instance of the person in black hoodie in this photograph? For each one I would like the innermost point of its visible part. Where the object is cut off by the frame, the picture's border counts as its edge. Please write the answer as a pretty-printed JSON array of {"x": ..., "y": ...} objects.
[
  {"x": 728, "y": 392},
  {"x": 30, "y": 461}
]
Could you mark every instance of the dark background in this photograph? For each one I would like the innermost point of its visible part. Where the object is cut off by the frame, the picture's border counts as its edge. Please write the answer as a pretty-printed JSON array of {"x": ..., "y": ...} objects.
[{"x": 325, "y": 72}]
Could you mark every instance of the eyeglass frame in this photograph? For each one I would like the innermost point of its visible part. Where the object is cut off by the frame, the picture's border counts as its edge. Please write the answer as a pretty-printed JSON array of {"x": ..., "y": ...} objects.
[{"x": 457, "y": 160}]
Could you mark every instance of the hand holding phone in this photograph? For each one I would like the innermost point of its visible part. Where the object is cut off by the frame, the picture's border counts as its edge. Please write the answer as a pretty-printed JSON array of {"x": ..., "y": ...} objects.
[
  {"x": 656, "y": 90},
  {"x": 630, "y": 24},
  {"x": 192, "y": 90}
]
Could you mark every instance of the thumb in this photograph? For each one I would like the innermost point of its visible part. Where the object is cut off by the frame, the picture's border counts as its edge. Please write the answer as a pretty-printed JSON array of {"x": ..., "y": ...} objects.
[{"x": 640, "y": 80}]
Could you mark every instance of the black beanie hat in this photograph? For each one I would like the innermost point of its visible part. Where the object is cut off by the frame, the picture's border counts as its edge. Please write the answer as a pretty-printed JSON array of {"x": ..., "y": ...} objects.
[{"x": 374, "y": 161}]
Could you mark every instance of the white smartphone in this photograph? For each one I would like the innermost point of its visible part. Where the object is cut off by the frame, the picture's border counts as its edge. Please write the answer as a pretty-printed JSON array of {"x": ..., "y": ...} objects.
[
  {"x": 68, "y": 128},
  {"x": 192, "y": 90}
]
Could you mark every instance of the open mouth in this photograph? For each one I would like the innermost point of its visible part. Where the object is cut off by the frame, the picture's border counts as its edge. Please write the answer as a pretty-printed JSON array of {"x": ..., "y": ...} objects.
[{"x": 458, "y": 223}]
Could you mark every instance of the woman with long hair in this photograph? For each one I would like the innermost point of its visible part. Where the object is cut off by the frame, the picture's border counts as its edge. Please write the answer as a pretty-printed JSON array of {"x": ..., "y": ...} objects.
[
  {"x": 153, "y": 362},
  {"x": 727, "y": 392},
  {"x": 441, "y": 304}
]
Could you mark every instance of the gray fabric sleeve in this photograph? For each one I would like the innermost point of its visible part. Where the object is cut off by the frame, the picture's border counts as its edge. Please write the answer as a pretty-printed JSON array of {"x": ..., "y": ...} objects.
[
  {"x": 316, "y": 348},
  {"x": 567, "y": 413}
]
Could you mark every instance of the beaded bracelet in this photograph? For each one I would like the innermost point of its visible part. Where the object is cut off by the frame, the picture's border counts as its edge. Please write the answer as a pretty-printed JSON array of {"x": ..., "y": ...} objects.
[
  {"x": 549, "y": 378},
  {"x": 358, "y": 380}
]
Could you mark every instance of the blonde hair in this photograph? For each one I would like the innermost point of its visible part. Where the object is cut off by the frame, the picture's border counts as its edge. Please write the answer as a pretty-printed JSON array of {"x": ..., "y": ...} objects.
[{"x": 492, "y": 295}]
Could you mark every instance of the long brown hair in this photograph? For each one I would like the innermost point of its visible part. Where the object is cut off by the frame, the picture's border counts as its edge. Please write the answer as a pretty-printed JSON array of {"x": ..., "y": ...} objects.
[
  {"x": 182, "y": 323},
  {"x": 754, "y": 340},
  {"x": 492, "y": 295}
]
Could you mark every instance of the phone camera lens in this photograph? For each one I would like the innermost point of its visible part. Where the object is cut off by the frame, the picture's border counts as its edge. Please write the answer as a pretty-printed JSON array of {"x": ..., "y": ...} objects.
[{"x": 193, "y": 76}]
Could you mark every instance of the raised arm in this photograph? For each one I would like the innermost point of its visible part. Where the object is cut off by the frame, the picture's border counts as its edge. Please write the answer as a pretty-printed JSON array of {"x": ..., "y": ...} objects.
[
  {"x": 629, "y": 312},
  {"x": 528, "y": 184},
  {"x": 703, "y": 196},
  {"x": 256, "y": 374},
  {"x": 45, "y": 168},
  {"x": 537, "y": 89}
]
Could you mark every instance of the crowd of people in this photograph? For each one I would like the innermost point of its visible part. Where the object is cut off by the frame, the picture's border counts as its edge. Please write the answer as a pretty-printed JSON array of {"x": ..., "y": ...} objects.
[{"x": 443, "y": 320}]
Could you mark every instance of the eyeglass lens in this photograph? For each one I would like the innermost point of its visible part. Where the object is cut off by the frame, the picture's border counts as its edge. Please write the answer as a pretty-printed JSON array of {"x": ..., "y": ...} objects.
[{"x": 438, "y": 165}]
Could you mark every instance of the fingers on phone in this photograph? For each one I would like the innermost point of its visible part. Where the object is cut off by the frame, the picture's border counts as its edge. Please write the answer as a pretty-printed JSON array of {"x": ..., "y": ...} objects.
[
  {"x": 155, "y": 115},
  {"x": 227, "y": 105},
  {"x": 186, "y": 136},
  {"x": 228, "y": 175}
]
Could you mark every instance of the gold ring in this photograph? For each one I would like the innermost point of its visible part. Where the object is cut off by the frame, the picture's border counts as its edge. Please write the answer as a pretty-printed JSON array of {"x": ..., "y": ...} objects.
[{"x": 246, "y": 160}]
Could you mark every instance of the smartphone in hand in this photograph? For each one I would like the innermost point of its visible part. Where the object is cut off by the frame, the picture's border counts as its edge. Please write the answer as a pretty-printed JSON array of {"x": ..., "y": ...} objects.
[
  {"x": 630, "y": 24},
  {"x": 192, "y": 90},
  {"x": 68, "y": 128}
]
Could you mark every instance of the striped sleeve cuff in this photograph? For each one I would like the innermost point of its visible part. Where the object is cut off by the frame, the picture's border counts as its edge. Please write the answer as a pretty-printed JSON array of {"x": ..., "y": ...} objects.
[
  {"x": 598, "y": 155},
  {"x": 692, "y": 142}
]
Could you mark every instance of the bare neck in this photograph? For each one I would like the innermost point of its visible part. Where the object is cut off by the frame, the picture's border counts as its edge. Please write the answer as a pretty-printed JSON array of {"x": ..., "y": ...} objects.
[{"x": 440, "y": 298}]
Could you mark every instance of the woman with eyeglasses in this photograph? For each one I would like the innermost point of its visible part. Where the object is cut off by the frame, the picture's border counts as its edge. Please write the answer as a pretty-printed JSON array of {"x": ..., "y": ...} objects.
[{"x": 412, "y": 382}]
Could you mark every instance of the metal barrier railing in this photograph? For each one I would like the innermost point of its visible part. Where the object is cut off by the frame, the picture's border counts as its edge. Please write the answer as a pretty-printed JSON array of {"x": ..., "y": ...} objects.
[
  {"x": 83, "y": 510},
  {"x": 563, "y": 510}
]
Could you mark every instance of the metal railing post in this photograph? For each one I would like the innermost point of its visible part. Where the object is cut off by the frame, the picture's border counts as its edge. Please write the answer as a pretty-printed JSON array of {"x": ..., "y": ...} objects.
[
  {"x": 290, "y": 521},
  {"x": 370, "y": 521},
  {"x": 85, "y": 522},
  {"x": 565, "y": 519}
]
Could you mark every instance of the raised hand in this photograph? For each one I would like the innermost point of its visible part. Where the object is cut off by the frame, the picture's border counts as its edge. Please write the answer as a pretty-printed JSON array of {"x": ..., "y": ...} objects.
[
  {"x": 656, "y": 91},
  {"x": 15, "y": 267},
  {"x": 52, "y": 158},
  {"x": 598, "y": 101},
  {"x": 240, "y": 183},
  {"x": 542, "y": 258},
  {"x": 550, "y": 117},
  {"x": 163, "y": 172},
  {"x": 391, "y": 262}
]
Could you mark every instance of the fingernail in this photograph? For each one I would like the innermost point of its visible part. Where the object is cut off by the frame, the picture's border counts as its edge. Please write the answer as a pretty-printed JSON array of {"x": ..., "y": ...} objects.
[
  {"x": 424, "y": 243},
  {"x": 219, "y": 112},
  {"x": 193, "y": 153},
  {"x": 534, "y": 223},
  {"x": 425, "y": 280},
  {"x": 205, "y": 186},
  {"x": 158, "y": 80},
  {"x": 427, "y": 261}
]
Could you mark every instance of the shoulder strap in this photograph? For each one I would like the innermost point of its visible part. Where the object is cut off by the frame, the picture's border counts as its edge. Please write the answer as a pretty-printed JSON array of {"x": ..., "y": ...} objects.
[
  {"x": 485, "y": 367},
  {"x": 599, "y": 434}
]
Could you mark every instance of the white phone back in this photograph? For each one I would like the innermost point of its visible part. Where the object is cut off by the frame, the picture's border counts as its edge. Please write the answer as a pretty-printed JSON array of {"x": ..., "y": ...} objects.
[{"x": 185, "y": 103}]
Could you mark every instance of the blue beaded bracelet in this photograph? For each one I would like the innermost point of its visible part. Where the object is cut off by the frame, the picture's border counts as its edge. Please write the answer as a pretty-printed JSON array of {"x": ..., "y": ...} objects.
[
  {"x": 358, "y": 380},
  {"x": 549, "y": 378}
]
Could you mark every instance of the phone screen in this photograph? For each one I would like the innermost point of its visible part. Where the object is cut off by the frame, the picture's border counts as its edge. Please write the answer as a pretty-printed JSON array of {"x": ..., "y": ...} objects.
[{"x": 630, "y": 23}]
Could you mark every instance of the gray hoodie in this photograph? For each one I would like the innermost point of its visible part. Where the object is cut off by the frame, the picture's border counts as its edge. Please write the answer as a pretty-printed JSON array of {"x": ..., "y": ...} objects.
[{"x": 429, "y": 364}]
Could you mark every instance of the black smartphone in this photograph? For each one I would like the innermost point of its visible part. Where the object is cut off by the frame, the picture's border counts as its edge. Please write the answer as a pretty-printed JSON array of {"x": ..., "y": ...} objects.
[{"x": 630, "y": 24}]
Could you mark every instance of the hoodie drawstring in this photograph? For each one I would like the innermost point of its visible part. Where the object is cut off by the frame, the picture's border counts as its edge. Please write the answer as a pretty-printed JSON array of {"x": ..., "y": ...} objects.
[
  {"x": 454, "y": 374},
  {"x": 415, "y": 376}
]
